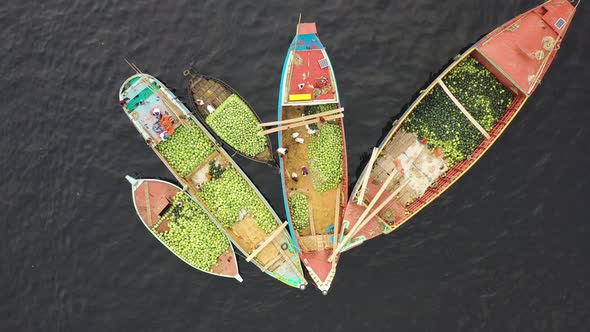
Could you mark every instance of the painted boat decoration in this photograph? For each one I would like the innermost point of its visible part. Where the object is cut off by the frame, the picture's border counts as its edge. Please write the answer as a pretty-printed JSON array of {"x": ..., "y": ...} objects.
[
  {"x": 173, "y": 217},
  {"x": 313, "y": 171},
  {"x": 205, "y": 169},
  {"x": 454, "y": 121},
  {"x": 229, "y": 116}
]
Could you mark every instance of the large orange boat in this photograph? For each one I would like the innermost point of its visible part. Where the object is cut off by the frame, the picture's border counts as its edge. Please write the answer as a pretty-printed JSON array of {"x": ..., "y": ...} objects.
[
  {"x": 313, "y": 171},
  {"x": 454, "y": 121}
]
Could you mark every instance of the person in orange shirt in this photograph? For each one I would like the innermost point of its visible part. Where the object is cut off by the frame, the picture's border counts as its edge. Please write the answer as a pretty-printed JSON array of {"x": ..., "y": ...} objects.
[{"x": 168, "y": 123}]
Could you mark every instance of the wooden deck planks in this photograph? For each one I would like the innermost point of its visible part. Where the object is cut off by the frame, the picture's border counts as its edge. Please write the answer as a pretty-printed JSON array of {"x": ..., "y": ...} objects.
[{"x": 321, "y": 204}]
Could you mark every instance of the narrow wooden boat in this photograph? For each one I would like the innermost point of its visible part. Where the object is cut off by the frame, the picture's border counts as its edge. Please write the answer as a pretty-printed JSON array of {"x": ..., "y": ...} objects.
[
  {"x": 454, "y": 121},
  {"x": 315, "y": 202},
  {"x": 229, "y": 116},
  {"x": 205, "y": 169},
  {"x": 168, "y": 213}
]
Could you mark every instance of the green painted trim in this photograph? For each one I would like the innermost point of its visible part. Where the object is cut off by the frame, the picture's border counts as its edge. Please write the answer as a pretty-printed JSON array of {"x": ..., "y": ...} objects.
[
  {"x": 387, "y": 229},
  {"x": 141, "y": 96},
  {"x": 353, "y": 243},
  {"x": 501, "y": 71}
]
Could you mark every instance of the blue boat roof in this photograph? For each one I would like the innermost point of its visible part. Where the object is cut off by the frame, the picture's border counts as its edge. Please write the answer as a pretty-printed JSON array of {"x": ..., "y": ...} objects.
[{"x": 309, "y": 42}]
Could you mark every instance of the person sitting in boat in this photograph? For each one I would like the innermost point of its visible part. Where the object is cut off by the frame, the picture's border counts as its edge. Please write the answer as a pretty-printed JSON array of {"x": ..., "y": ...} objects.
[
  {"x": 304, "y": 171},
  {"x": 157, "y": 113},
  {"x": 167, "y": 122},
  {"x": 282, "y": 151},
  {"x": 163, "y": 122},
  {"x": 157, "y": 127},
  {"x": 164, "y": 135}
]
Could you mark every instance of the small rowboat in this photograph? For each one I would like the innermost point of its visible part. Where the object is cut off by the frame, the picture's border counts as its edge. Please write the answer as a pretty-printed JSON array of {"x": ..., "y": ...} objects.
[
  {"x": 211, "y": 176},
  {"x": 229, "y": 116},
  {"x": 313, "y": 172},
  {"x": 454, "y": 121},
  {"x": 154, "y": 203}
]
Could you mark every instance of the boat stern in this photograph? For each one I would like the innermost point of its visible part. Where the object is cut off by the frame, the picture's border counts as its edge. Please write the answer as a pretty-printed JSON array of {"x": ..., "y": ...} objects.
[{"x": 286, "y": 273}]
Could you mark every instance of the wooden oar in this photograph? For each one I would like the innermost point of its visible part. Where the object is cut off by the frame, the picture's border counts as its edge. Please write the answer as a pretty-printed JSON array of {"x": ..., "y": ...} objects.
[
  {"x": 354, "y": 228},
  {"x": 299, "y": 124},
  {"x": 337, "y": 216},
  {"x": 365, "y": 182},
  {"x": 307, "y": 117},
  {"x": 362, "y": 223}
]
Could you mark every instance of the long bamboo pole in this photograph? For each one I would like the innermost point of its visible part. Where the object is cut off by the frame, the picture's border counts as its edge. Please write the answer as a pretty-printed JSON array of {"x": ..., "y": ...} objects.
[
  {"x": 173, "y": 108},
  {"x": 163, "y": 97},
  {"x": 311, "y": 221},
  {"x": 362, "y": 223},
  {"x": 146, "y": 191},
  {"x": 307, "y": 117},
  {"x": 365, "y": 182},
  {"x": 337, "y": 216},
  {"x": 293, "y": 53},
  {"x": 299, "y": 124},
  {"x": 354, "y": 228}
]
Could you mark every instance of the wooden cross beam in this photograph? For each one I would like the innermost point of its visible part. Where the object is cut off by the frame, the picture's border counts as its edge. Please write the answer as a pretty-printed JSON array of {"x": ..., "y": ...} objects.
[
  {"x": 306, "y": 117},
  {"x": 299, "y": 124},
  {"x": 463, "y": 110},
  {"x": 266, "y": 241},
  {"x": 270, "y": 263}
]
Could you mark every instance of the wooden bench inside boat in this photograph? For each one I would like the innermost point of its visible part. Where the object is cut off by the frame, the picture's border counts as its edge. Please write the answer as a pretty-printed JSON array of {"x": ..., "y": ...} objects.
[{"x": 317, "y": 242}]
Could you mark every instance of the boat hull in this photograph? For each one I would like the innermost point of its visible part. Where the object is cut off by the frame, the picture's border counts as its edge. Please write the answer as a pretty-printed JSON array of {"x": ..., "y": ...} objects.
[
  {"x": 315, "y": 248},
  {"x": 285, "y": 268},
  {"x": 507, "y": 69},
  {"x": 151, "y": 196},
  {"x": 200, "y": 85}
]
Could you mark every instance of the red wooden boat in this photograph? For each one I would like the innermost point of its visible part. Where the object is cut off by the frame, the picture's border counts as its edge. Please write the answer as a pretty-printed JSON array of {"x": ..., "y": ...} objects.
[
  {"x": 153, "y": 199},
  {"x": 411, "y": 167},
  {"x": 313, "y": 172}
]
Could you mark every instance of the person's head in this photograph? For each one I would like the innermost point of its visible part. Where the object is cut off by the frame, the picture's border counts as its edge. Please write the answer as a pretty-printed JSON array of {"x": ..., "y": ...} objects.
[{"x": 156, "y": 112}]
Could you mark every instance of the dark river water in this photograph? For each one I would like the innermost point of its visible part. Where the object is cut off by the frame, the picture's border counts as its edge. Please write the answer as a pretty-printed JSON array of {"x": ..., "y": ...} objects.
[{"x": 506, "y": 249}]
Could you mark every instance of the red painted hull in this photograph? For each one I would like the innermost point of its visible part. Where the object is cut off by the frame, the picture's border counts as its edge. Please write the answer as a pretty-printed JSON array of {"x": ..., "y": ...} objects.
[
  {"x": 149, "y": 208},
  {"x": 512, "y": 53}
]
